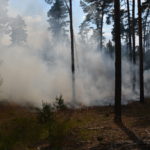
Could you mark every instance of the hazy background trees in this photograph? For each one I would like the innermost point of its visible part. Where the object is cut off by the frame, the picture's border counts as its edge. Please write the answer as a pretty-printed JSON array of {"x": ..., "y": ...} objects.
[{"x": 14, "y": 27}]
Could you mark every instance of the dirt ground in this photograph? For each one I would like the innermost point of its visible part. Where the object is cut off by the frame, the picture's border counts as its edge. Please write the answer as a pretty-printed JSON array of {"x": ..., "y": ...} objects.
[{"x": 94, "y": 128}]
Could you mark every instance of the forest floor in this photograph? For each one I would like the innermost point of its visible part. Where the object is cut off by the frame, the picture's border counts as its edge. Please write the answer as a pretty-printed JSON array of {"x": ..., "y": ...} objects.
[{"x": 91, "y": 128}]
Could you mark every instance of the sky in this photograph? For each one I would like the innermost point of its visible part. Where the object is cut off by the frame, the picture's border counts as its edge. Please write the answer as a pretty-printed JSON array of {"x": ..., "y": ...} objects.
[{"x": 40, "y": 8}]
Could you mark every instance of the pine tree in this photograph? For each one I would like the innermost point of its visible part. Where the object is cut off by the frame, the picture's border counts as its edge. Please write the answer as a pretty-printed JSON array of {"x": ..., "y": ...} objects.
[
  {"x": 58, "y": 15},
  {"x": 14, "y": 27},
  {"x": 18, "y": 34},
  {"x": 95, "y": 11},
  {"x": 4, "y": 18}
]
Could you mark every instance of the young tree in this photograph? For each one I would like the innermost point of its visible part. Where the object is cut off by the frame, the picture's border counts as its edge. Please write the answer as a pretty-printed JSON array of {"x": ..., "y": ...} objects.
[
  {"x": 141, "y": 68},
  {"x": 117, "y": 61}
]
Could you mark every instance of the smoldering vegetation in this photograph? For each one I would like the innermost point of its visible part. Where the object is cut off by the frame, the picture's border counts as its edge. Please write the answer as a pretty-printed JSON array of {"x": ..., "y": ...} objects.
[{"x": 35, "y": 65}]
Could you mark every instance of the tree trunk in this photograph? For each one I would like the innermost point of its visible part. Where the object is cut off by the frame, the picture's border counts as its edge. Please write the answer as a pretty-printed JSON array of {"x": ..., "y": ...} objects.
[
  {"x": 72, "y": 51},
  {"x": 145, "y": 27},
  {"x": 133, "y": 41},
  {"x": 118, "y": 73},
  {"x": 129, "y": 31},
  {"x": 101, "y": 30},
  {"x": 141, "y": 69},
  {"x": 98, "y": 27}
]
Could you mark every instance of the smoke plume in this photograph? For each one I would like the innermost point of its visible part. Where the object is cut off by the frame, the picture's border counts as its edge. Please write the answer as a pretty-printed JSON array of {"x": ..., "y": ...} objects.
[{"x": 37, "y": 68}]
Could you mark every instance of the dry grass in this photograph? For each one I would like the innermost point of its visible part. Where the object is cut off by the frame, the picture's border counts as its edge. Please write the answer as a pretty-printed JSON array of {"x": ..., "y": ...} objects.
[{"x": 93, "y": 126}]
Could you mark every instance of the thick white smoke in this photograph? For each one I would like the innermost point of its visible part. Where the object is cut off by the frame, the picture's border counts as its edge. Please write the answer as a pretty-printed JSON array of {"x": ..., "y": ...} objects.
[{"x": 39, "y": 70}]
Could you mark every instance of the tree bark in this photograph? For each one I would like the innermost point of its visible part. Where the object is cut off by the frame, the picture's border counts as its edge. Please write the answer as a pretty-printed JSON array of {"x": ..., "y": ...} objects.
[
  {"x": 141, "y": 68},
  {"x": 145, "y": 27},
  {"x": 133, "y": 46},
  {"x": 118, "y": 73},
  {"x": 129, "y": 31},
  {"x": 72, "y": 51},
  {"x": 101, "y": 30}
]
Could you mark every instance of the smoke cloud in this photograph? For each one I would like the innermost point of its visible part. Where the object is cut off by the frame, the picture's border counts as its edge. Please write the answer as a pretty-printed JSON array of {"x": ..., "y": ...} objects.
[{"x": 38, "y": 69}]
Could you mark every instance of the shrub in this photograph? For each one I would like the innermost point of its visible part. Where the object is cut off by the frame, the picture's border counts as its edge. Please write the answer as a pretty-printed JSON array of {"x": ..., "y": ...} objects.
[
  {"x": 46, "y": 114},
  {"x": 59, "y": 103},
  {"x": 57, "y": 131}
]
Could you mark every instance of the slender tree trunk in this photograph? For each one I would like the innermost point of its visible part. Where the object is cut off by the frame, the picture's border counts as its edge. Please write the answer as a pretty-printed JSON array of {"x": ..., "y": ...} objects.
[
  {"x": 101, "y": 30},
  {"x": 145, "y": 27},
  {"x": 141, "y": 68},
  {"x": 98, "y": 26},
  {"x": 133, "y": 41},
  {"x": 118, "y": 73},
  {"x": 99, "y": 37},
  {"x": 72, "y": 52},
  {"x": 129, "y": 32}
]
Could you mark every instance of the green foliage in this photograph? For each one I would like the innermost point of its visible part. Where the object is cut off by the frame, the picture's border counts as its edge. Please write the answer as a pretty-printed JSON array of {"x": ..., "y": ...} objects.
[
  {"x": 58, "y": 131},
  {"x": 45, "y": 115},
  {"x": 94, "y": 12},
  {"x": 20, "y": 132},
  {"x": 49, "y": 1},
  {"x": 59, "y": 103},
  {"x": 58, "y": 17}
]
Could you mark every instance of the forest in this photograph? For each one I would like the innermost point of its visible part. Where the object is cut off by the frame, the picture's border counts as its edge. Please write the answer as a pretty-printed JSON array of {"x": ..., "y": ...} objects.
[{"x": 75, "y": 74}]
